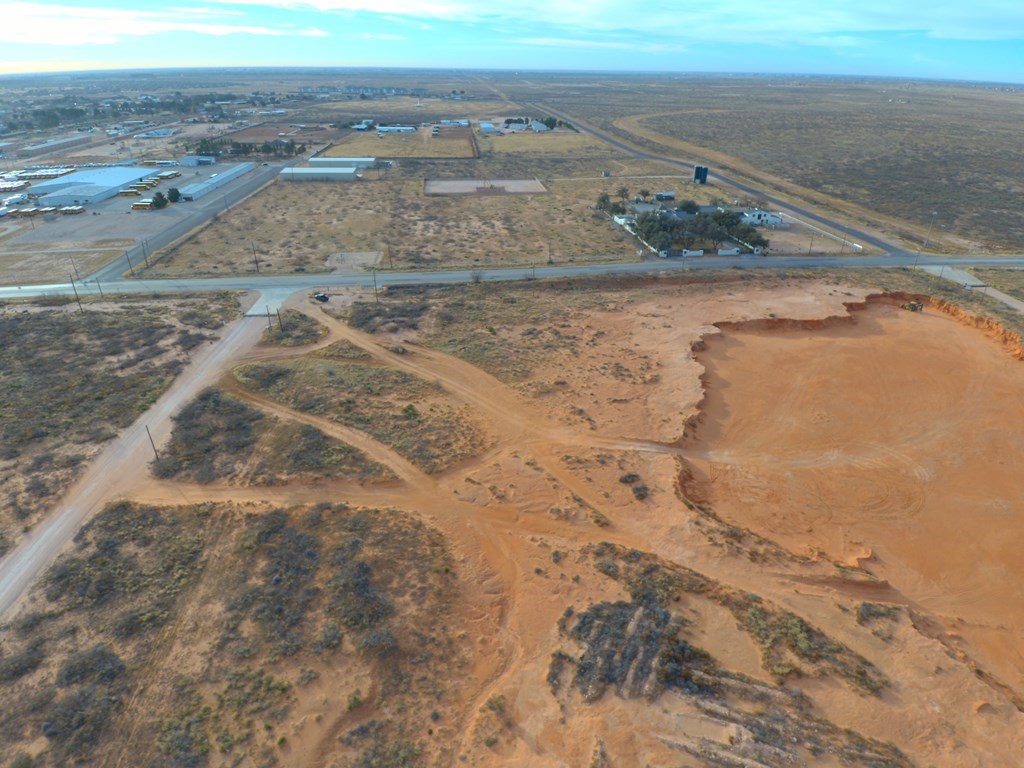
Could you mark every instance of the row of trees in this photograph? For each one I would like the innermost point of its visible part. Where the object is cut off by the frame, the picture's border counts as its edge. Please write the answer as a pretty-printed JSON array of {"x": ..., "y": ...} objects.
[
  {"x": 706, "y": 229},
  {"x": 663, "y": 231},
  {"x": 273, "y": 148},
  {"x": 550, "y": 122}
]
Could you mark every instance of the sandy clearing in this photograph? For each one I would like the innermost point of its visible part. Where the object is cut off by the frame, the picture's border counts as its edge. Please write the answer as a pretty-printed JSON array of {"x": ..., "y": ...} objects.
[{"x": 896, "y": 436}]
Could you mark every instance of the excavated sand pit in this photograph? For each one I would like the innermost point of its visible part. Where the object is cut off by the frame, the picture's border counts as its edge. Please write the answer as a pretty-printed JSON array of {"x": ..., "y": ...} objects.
[{"x": 887, "y": 439}]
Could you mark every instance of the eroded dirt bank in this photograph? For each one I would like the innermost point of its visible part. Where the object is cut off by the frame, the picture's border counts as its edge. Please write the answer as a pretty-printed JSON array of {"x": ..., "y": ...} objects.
[{"x": 890, "y": 440}]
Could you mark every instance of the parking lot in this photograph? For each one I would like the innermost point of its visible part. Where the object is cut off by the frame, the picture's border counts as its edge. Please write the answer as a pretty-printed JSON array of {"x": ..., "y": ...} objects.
[{"x": 45, "y": 249}]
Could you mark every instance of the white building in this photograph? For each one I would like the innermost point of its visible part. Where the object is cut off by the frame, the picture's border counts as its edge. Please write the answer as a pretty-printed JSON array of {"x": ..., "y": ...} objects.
[
  {"x": 758, "y": 218},
  {"x": 319, "y": 174},
  {"x": 342, "y": 162},
  {"x": 396, "y": 129}
]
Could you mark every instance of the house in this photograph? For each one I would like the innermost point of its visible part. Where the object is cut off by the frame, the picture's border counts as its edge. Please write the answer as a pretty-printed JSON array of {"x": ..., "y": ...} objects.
[
  {"x": 758, "y": 218},
  {"x": 538, "y": 127}
]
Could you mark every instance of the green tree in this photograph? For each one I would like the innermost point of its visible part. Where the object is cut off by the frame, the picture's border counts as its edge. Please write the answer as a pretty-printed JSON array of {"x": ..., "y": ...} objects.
[
  {"x": 173, "y": 195},
  {"x": 159, "y": 201},
  {"x": 623, "y": 193},
  {"x": 688, "y": 206},
  {"x": 604, "y": 201},
  {"x": 644, "y": 194}
]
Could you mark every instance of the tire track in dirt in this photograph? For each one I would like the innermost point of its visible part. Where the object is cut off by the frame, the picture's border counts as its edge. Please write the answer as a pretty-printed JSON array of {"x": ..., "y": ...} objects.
[{"x": 373, "y": 448}]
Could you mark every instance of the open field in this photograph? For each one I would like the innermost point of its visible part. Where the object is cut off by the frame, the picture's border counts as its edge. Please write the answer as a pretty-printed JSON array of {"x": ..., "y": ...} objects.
[
  {"x": 298, "y": 227},
  {"x": 450, "y": 143},
  {"x": 123, "y": 355},
  {"x": 611, "y": 553},
  {"x": 311, "y": 135},
  {"x": 882, "y": 152},
  {"x": 551, "y": 143}
]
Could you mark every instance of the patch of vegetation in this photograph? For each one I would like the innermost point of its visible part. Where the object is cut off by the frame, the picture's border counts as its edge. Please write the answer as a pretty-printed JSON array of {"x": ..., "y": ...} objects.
[
  {"x": 633, "y": 648},
  {"x": 210, "y": 434},
  {"x": 130, "y": 560},
  {"x": 389, "y": 317},
  {"x": 219, "y": 436},
  {"x": 784, "y": 638},
  {"x": 399, "y": 409},
  {"x": 294, "y": 329},
  {"x": 285, "y": 584},
  {"x": 122, "y": 361}
]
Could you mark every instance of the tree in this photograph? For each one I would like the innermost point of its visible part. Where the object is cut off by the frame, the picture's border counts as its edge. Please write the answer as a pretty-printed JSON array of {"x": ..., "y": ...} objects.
[
  {"x": 644, "y": 194},
  {"x": 159, "y": 201},
  {"x": 688, "y": 206},
  {"x": 604, "y": 201},
  {"x": 623, "y": 193},
  {"x": 173, "y": 195}
]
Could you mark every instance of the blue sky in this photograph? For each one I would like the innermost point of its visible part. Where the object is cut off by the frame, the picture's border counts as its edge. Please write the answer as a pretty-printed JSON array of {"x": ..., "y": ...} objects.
[{"x": 946, "y": 39}]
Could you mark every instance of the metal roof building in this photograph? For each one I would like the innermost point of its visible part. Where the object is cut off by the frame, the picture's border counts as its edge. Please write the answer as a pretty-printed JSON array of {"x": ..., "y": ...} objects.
[
  {"x": 206, "y": 186},
  {"x": 319, "y": 174},
  {"x": 91, "y": 186},
  {"x": 342, "y": 162}
]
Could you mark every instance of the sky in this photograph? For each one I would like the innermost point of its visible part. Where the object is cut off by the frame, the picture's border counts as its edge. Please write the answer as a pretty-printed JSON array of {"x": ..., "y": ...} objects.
[{"x": 981, "y": 40}]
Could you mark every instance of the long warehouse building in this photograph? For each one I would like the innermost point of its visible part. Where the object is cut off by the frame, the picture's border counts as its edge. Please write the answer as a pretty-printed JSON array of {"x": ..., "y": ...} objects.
[
  {"x": 319, "y": 174},
  {"x": 214, "y": 181},
  {"x": 89, "y": 186},
  {"x": 342, "y": 162}
]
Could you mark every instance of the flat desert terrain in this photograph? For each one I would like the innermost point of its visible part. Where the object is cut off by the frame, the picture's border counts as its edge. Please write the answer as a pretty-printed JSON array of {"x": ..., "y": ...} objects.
[{"x": 711, "y": 522}]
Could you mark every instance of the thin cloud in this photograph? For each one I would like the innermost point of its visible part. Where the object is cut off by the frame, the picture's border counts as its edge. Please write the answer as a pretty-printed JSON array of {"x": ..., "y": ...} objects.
[
  {"x": 381, "y": 36},
  {"x": 741, "y": 21},
  {"x": 59, "y": 25},
  {"x": 562, "y": 42}
]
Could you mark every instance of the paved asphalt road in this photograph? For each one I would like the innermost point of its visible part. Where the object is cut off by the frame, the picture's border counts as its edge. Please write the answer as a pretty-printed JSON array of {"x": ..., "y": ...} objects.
[
  {"x": 235, "y": 194},
  {"x": 275, "y": 288}
]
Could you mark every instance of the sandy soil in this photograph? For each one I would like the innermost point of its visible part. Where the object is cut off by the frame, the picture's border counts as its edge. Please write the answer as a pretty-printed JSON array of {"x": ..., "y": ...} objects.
[
  {"x": 867, "y": 439},
  {"x": 891, "y": 442}
]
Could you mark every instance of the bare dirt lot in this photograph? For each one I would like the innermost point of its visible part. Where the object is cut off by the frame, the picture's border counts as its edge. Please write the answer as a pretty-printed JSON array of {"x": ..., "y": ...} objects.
[
  {"x": 884, "y": 442},
  {"x": 625, "y": 547}
]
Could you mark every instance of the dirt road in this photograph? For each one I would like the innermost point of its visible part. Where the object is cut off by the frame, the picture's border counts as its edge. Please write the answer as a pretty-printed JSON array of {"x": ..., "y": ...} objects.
[{"x": 120, "y": 465}]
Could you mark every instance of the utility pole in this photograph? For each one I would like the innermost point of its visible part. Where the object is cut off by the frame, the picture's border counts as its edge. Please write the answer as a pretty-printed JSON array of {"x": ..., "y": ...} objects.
[
  {"x": 76, "y": 294},
  {"x": 811, "y": 245},
  {"x": 150, "y": 436},
  {"x": 128, "y": 259},
  {"x": 145, "y": 252},
  {"x": 100, "y": 289},
  {"x": 270, "y": 326},
  {"x": 74, "y": 267},
  {"x": 279, "y": 323},
  {"x": 931, "y": 227},
  {"x": 376, "y": 298},
  {"x": 254, "y": 256}
]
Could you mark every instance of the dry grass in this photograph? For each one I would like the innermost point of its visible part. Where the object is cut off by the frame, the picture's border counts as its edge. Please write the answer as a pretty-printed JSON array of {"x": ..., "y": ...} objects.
[
  {"x": 412, "y": 416},
  {"x": 120, "y": 361},
  {"x": 450, "y": 143},
  {"x": 298, "y": 227},
  {"x": 169, "y": 635},
  {"x": 890, "y": 152},
  {"x": 551, "y": 143}
]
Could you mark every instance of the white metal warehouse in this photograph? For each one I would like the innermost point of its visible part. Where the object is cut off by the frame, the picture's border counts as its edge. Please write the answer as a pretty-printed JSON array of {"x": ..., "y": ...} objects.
[
  {"x": 89, "y": 186},
  {"x": 319, "y": 174},
  {"x": 212, "y": 182},
  {"x": 342, "y": 162}
]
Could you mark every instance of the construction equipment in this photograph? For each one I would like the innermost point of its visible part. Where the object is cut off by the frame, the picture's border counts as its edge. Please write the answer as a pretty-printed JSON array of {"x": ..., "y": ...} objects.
[{"x": 913, "y": 306}]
